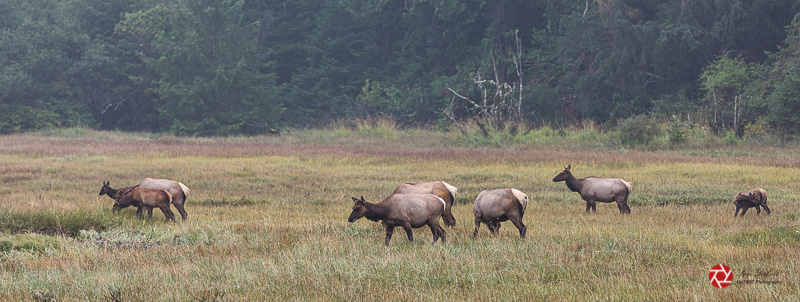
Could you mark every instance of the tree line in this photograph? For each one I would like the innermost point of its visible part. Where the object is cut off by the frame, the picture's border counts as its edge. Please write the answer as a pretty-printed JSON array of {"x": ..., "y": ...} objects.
[{"x": 222, "y": 67}]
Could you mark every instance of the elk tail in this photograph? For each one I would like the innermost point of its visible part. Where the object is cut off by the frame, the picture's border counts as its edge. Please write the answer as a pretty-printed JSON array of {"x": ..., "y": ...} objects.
[
  {"x": 168, "y": 195},
  {"x": 444, "y": 204},
  {"x": 185, "y": 190},
  {"x": 630, "y": 189},
  {"x": 453, "y": 191},
  {"x": 522, "y": 199}
]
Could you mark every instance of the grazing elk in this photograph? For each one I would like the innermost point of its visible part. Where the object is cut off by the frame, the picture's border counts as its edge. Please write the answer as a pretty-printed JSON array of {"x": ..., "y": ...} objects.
[
  {"x": 439, "y": 188},
  {"x": 119, "y": 193},
  {"x": 143, "y": 197},
  {"x": 594, "y": 189},
  {"x": 178, "y": 190},
  {"x": 751, "y": 198},
  {"x": 494, "y": 206},
  {"x": 404, "y": 210}
]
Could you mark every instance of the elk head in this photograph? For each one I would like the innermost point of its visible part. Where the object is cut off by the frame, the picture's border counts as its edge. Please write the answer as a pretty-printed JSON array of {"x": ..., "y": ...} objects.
[
  {"x": 563, "y": 175},
  {"x": 359, "y": 209},
  {"x": 106, "y": 189}
]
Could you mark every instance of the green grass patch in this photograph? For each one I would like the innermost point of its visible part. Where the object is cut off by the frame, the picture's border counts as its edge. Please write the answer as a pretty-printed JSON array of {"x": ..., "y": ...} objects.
[
  {"x": 781, "y": 235},
  {"x": 29, "y": 243},
  {"x": 68, "y": 223}
]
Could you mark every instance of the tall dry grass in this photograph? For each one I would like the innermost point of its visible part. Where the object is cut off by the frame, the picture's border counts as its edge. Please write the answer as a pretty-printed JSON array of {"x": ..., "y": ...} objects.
[{"x": 267, "y": 220}]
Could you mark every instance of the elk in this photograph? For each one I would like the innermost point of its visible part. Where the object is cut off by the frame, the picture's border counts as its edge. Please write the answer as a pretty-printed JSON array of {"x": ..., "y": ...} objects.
[
  {"x": 494, "y": 206},
  {"x": 441, "y": 189},
  {"x": 594, "y": 189},
  {"x": 119, "y": 193},
  {"x": 145, "y": 197},
  {"x": 751, "y": 198},
  {"x": 404, "y": 210},
  {"x": 178, "y": 190}
]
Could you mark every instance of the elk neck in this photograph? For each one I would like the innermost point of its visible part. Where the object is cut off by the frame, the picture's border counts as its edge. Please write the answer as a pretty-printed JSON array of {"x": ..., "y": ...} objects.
[
  {"x": 574, "y": 184},
  {"x": 111, "y": 192},
  {"x": 375, "y": 212}
]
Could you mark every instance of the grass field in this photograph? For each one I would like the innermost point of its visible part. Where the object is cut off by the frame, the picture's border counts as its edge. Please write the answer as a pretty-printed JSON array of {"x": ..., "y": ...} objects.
[{"x": 268, "y": 221}]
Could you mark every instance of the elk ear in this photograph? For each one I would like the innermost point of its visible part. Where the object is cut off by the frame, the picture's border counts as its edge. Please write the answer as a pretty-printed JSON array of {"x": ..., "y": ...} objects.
[
  {"x": 362, "y": 199},
  {"x": 354, "y": 199},
  {"x": 569, "y": 166}
]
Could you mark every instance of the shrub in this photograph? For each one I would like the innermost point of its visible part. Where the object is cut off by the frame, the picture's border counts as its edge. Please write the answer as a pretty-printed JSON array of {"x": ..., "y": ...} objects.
[
  {"x": 638, "y": 130},
  {"x": 676, "y": 131}
]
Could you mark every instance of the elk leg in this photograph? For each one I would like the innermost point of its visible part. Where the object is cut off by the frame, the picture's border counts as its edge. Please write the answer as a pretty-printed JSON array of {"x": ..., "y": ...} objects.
[
  {"x": 744, "y": 210},
  {"x": 736, "y": 213},
  {"x": 477, "y": 226},
  {"x": 594, "y": 206},
  {"x": 181, "y": 210},
  {"x": 495, "y": 228},
  {"x": 168, "y": 213},
  {"x": 139, "y": 212},
  {"x": 436, "y": 230},
  {"x": 623, "y": 207},
  {"x": 490, "y": 226},
  {"x": 389, "y": 232},
  {"x": 407, "y": 226},
  {"x": 766, "y": 209},
  {"x": 588, "y": 206},
  {"x": 758, "y": 210},
  {"x": 442, "y": 233},
  {"x": 149, "y": 212},
  {"x": 448, "y": 218},
  {"x": 520, "y": 226}
]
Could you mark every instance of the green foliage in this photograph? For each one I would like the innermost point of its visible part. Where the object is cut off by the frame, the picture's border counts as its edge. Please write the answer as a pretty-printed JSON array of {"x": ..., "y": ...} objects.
[
  {"x": 730, "y": 138},
  {"x": 214, "y": 80},
  {"x": 783, "y": 83},
  {"x": 757, "y": 130},
  {"x": 243, "y": 67},
  {"x": 638, "y": 130},
  {"x": 676, "y": 132}
]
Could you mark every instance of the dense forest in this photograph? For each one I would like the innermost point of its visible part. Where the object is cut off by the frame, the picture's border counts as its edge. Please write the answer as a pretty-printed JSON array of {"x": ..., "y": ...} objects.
[{"x": 221, "y": 67}]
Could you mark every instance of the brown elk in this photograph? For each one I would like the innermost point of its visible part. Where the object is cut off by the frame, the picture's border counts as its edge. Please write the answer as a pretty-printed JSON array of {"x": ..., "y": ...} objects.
[
  {"x": 594, "y": 189},
  {"x": 494, "y": 206},
  {"x": 143, "y": 197},
  {"x": 404, "y": 210},
  {"x": 178, "y": 190},
  {"x": 751, "y": 198},
  {"x": 439, "y": 188},
  {"x": 119, "y": 193}
]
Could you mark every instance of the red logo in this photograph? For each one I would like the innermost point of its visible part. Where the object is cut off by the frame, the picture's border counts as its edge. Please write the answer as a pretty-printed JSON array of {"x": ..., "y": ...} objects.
[{"x": 720, "y": 276}]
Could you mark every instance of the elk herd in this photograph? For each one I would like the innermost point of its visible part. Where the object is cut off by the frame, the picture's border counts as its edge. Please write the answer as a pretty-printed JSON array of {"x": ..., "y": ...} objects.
[
  {"x": 412, "y": 206},
  {"x": 415, "y": 205}
]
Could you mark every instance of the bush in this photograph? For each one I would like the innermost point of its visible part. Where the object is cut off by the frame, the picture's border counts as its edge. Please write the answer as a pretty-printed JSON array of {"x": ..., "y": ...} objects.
[
  {"x": 676, "y": 131},
  {"x": 638, "y": 130}
]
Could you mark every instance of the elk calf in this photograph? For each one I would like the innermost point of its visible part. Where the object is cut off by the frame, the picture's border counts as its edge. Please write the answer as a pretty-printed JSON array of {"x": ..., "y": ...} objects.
[
  {"x": 119, "y": 193},
  {"x": 752, "y": 198},
  {"x": 142, "y": 197},
  {"x": 494, "y": 206}
]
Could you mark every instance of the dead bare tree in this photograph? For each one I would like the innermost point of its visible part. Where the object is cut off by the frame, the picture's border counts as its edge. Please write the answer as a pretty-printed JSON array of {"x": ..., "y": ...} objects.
[{"x": 500, "y": 103}]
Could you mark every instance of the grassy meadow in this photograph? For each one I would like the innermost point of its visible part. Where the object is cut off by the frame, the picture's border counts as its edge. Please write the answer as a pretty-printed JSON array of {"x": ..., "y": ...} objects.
[{"x": 268, "y": 220}]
